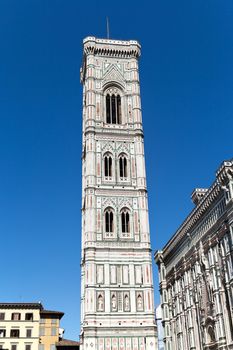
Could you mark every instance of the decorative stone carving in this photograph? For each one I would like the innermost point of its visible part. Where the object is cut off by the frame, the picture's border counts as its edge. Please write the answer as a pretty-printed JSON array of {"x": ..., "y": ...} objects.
[
  {"x": 139, "y": 301},
  {"x": 126, "y": 302},
  {"x": 113, "y": 301},
  {"x": 107, "y": 147},
  {"x": 100, "y": 301}
]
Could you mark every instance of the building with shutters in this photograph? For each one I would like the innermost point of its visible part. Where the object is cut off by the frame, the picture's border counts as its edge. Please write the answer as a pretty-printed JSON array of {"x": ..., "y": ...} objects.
[
  {"x": 28, "y": 326},
  {"x": 19, "y": 326}
]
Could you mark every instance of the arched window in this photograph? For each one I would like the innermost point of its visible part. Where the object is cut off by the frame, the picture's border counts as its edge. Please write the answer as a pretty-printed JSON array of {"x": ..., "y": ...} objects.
[
  {"x": 107, "y": 165},
  {"x": 119, "y": 109},
  {"x": 109, "y": 220},
  {"x": 113, "y": 109},
  {"x": 123, "y": 166},
  {"x": 108, "y": 109},
  {"x": 125, "y": 226}
]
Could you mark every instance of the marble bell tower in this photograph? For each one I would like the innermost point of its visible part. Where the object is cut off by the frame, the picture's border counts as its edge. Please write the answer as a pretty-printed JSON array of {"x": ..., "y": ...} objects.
[{"x": 117, "y": 299}]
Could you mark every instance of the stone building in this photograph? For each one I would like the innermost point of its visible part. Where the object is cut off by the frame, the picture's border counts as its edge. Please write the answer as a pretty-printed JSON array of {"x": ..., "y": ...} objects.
[
  {"x": 196, "y": 271},
  {"x": 28, "y": 326},
  {"x": 117, "y": 307},
  {"x": 19, "y": 326}
]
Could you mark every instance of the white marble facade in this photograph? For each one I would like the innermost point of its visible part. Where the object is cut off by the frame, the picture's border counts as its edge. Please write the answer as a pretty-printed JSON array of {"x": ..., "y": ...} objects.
[
  {"x": 196, "y": 272},
  {"x": 117, "y": 300}
]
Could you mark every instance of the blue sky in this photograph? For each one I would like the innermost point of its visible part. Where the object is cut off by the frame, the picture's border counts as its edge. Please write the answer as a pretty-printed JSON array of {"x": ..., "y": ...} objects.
[{"x": 186, "y": 76}]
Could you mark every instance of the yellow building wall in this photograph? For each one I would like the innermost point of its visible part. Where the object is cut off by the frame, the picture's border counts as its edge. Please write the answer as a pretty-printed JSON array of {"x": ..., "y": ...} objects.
[{"x": 49, "y": 333}]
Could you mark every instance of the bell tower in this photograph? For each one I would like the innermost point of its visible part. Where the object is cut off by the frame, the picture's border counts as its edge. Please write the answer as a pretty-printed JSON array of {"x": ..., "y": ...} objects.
[{"x": 117, "y": 301}]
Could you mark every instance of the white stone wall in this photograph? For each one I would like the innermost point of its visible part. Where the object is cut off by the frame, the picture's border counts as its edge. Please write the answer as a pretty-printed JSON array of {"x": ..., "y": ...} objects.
[
  {"x": 117, "y": 286},
  {"x": 196, "y": 273}
]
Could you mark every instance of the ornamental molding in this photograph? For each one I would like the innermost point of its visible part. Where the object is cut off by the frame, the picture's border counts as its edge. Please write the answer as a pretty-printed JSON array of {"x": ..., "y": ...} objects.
[
  {"x": 223, "y": 175},
  {"x": 122, "y": 148},
  {"x": 117, "y": 192},
  {"x": 113, "y": 76},
  {"x": 107, "y": 147},
  {"x": 129, "y": 244},
  {"x": 119, "y": 138},
  {"x": 109, "y": 202},
  {"x": 195, "y": 215},
  {"x": 111, "y": 48},
  {"x": 117, "y": 203},
  {"x": 125, "y": 202}
]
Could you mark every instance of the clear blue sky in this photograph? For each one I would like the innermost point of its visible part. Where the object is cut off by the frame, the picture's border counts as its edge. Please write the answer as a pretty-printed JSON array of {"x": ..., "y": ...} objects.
[{"x": 186, "y": 75}]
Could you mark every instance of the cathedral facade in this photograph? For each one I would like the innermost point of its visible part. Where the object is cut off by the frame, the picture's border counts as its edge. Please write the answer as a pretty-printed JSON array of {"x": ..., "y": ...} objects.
[
  {"x": 117, "y": 299},
  {"x": 196, "y": 271}
]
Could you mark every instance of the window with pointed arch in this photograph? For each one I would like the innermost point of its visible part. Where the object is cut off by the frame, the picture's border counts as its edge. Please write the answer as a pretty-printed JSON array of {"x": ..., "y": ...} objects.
[
  {"x": 123, "y": 171},
  {"x": 125, "y": 222},
  {"x": 108, "y": 166},
  {"x": 109, "y": 221},
  {"x": 113, "y": 107}
]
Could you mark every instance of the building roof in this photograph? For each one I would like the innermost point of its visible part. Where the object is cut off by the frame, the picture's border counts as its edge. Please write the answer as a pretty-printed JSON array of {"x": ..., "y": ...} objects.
[
  {"x": 59, "y": 314},
  {"x": 21, "y": 306},
  {"x": 67, "y": 342}
]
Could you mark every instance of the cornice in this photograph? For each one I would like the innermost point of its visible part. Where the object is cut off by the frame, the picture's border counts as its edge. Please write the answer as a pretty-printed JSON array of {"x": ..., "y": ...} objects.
[
  {"x": 193, "y": 218},
  {"x": 112, "y": 48},
  {"x": 223, "y": 174}
]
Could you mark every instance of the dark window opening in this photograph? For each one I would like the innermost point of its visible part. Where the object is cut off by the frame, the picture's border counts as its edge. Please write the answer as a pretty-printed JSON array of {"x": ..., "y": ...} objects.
[
  {"x": 29, "y": 317},
  {"x": 119, "y": 109},
  {"x": 113, "y": 103},
  {"x": 108, "y": 109},
  {"x": 113, "y": 109},
  {"x": 109, "y": 221},
  {"x": 28, "y": 333},
  {"x": 123, "y": 166},
  {"x": 14, "y": 333},
  {"x": 107, "y": 166},
  {"x": 125, "y": 222},
  {"x": 16, "y": 316}
]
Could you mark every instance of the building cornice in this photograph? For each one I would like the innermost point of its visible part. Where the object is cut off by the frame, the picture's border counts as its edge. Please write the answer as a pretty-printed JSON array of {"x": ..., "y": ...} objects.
[
  {"x": 223, "y": 174},
  {"x": 108, "y": 48},
  {"x": 21, "y": 306},
  {"x": 112, "y": 48}
]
